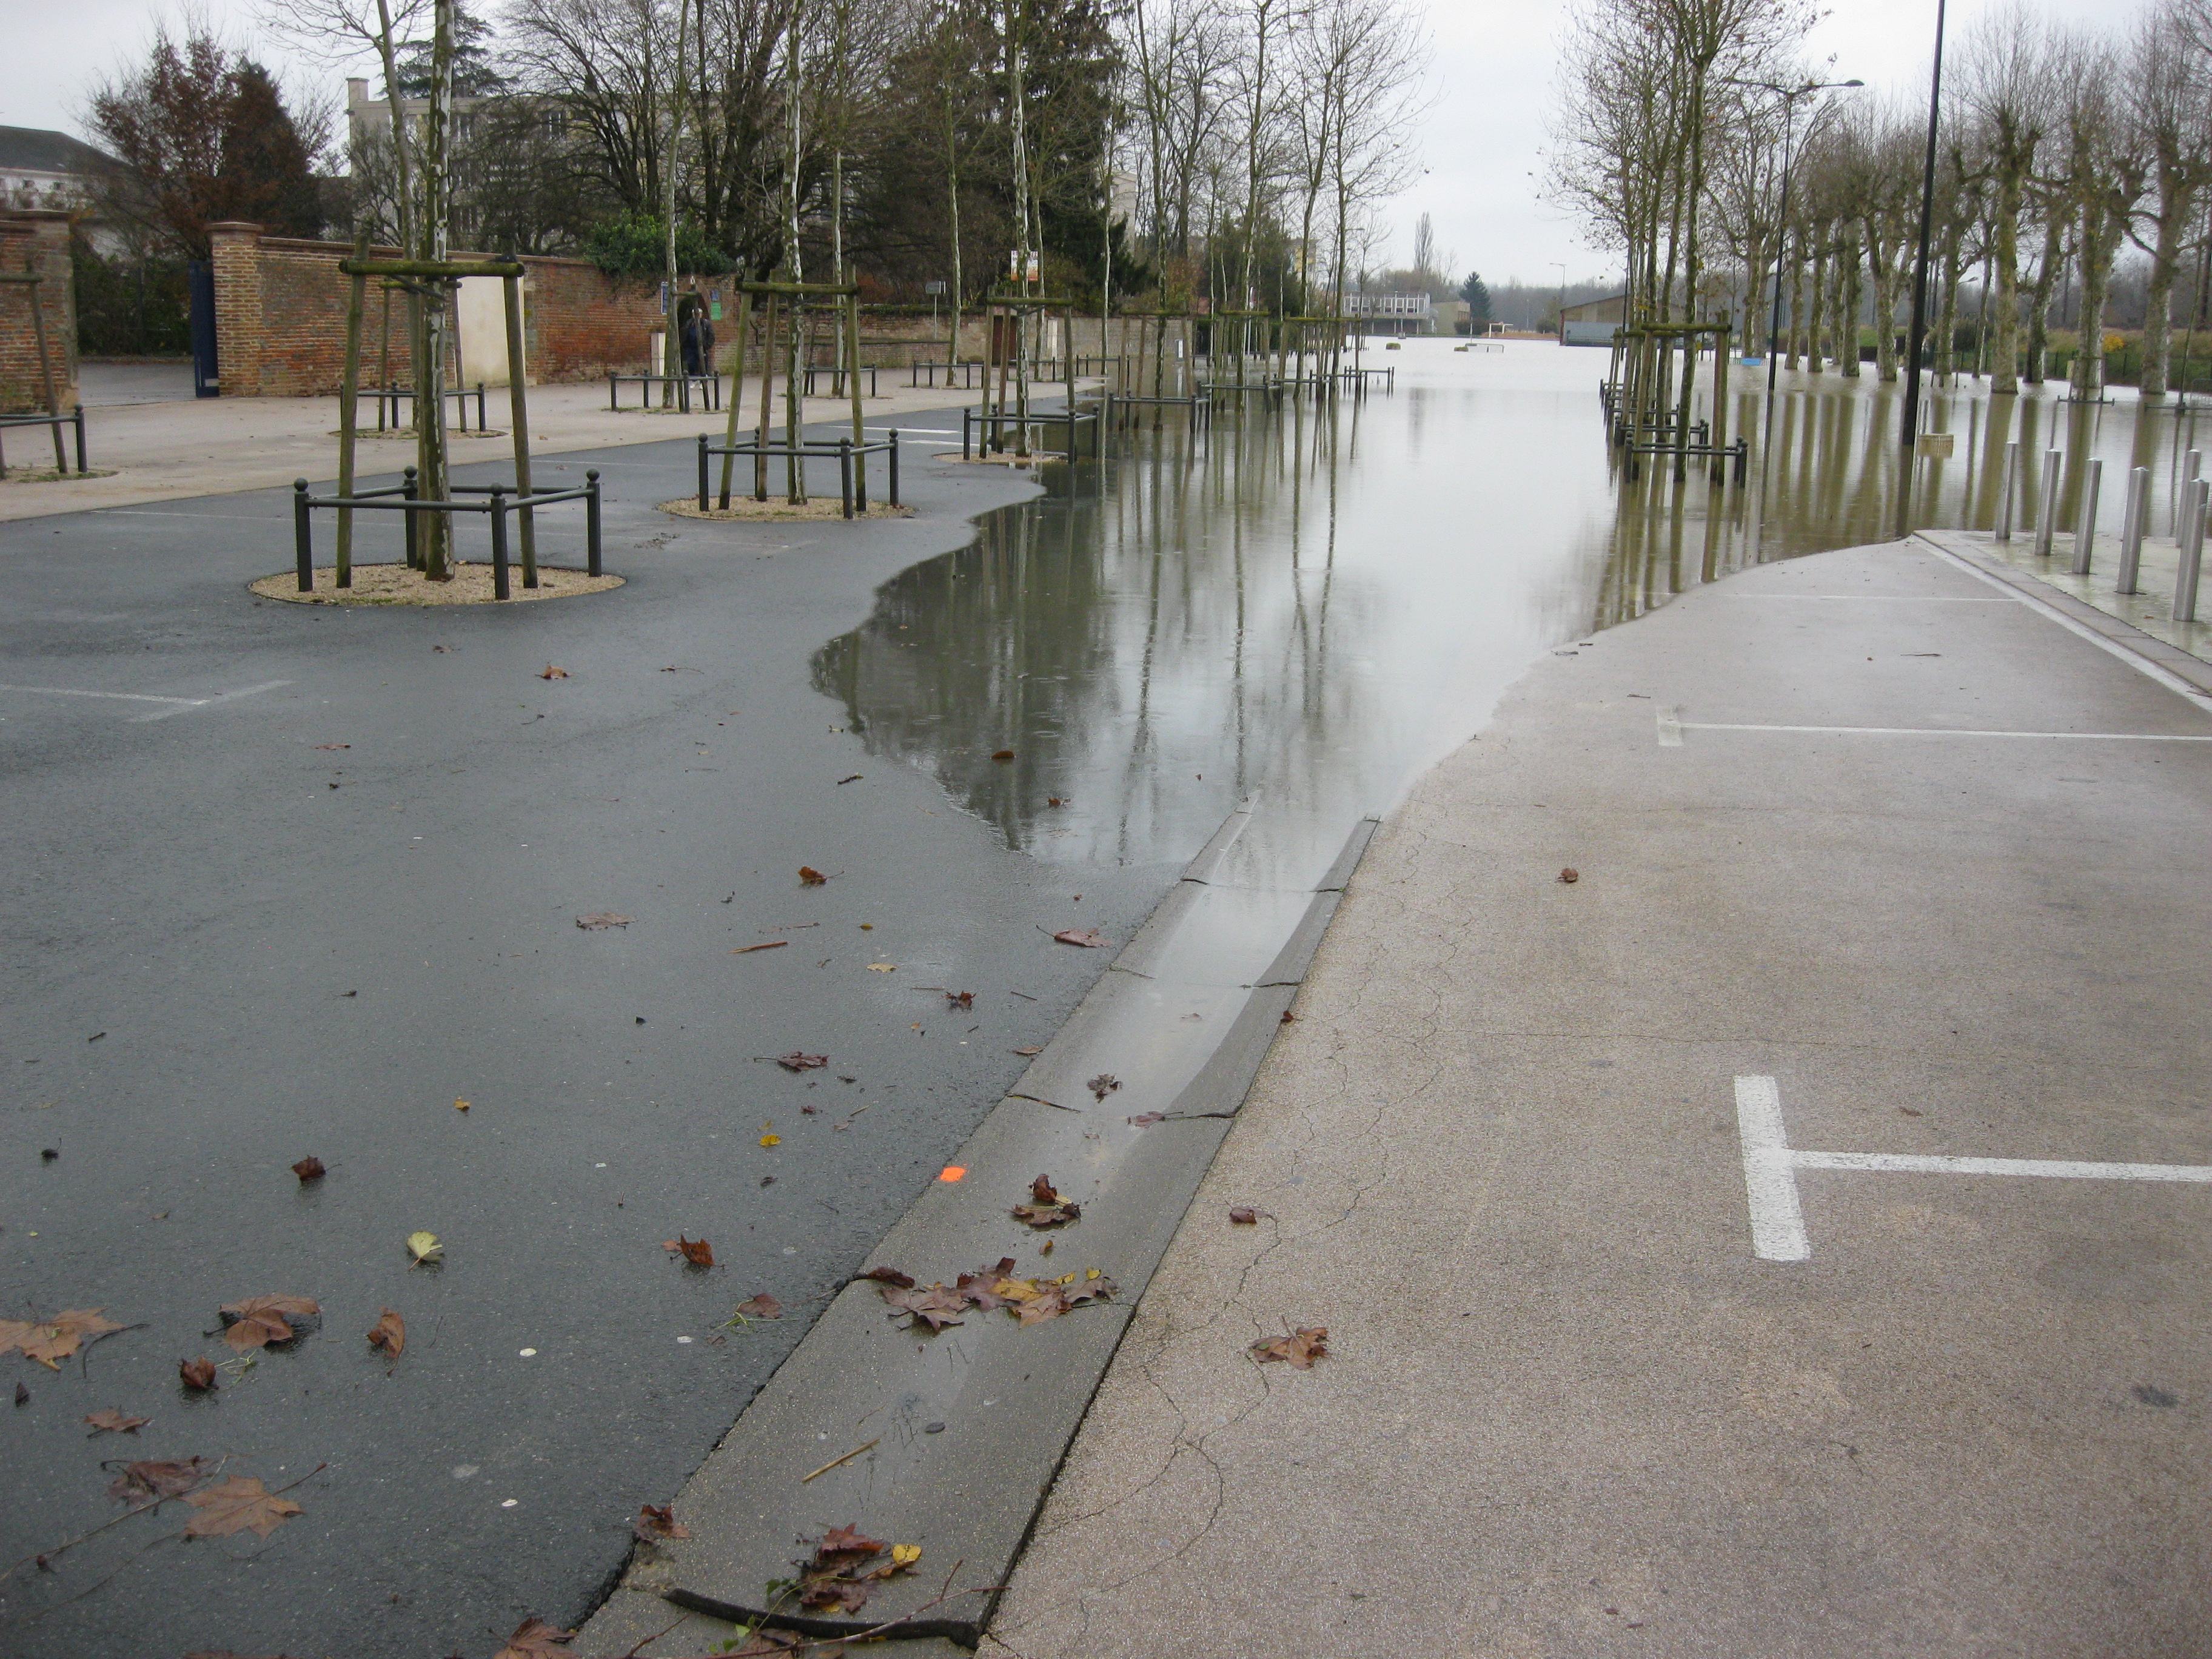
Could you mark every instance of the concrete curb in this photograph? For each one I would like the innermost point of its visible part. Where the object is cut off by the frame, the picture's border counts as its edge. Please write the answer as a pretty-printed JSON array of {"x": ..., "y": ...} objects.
[{"x": 963, "y": 1432}]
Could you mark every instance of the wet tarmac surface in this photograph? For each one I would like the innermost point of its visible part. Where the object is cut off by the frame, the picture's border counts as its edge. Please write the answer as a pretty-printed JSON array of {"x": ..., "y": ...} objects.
[{"x": 311, "y": 916}]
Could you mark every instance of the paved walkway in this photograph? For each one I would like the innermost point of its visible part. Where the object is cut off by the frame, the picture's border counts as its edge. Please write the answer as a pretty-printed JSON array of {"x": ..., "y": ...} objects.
[
  {"x": 168, "y": 451},
  {"x": 1877, "y": 858}
]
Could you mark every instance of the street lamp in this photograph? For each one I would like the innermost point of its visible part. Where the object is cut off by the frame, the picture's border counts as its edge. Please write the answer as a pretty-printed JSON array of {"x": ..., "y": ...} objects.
[
  {"x": 1789, "y": 95},
  {"x": 1920, "y": 289}
]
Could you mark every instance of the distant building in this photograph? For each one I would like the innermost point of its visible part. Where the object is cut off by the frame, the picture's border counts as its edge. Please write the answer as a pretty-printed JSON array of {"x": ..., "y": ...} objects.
[
  {"x": 1593, "y": 322},
  {"x": 369, "y": 143},
  {"x": 40, "y": 168},
  {"x": 1394, "y": 313}
]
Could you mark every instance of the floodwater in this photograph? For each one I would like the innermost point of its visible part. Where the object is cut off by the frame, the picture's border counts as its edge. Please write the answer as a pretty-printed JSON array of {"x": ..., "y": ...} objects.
[{"x": 1312, "y": 605}]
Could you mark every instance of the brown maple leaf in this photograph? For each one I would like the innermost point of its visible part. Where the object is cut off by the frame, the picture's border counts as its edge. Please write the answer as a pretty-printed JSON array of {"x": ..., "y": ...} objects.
[
  {"x": 979, "y": 1287},
  {"x": 797, "y": 1061},
  {"x": 534, "y": 1639},
  {"x": 810, "y": 876},
  {"x": 762, "y": 1306},
  {"x": 1244, "y": 1217},
  {"x": 309, "y": 1169},
  {"x": 150, "y": 1482},
  {"x": 239, "y": 1504},
  {"x": 697, "y": 1252},
  {"x": 1090, "y": 939},
  {"x": 1301, "y": 1348},
  {"x": 1103, "y": 1084},
  {"x": 960, "y": 999},
  {"x": 653, "y": 1525},
  {"x": 389, "y": 1333},
  {"x": 260, "y": 1320},
  {"x": 114, "y": 1422},
  {"x": 49, "y": 1341},
  {"x": 1571, "y": 876},
  {"x": 602, "y": 918},
  {"x": 889, "y": 1276},
  {"x": 551, "y": 672},
  {"x": 1048, "y": 1208},
  {"x": 936, "y": 1306},
  {"x": 196, "y": 1373}
]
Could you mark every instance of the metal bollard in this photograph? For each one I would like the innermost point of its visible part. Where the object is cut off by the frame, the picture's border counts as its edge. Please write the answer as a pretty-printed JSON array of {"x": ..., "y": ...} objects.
[
  {"x": 79, "y": 418},
  {"x": 2191, "y": 546},
  {"x": 2189, "y": 464},
  {"x": 965, "y": 414},
  {"x": 303, "y": 538},
  {"x": 2047, "y": 514},
  {"x": 2011, "y": 487},
  {"x": 845, "y": 472},
  {"x": 591, "y": 521},
  {"x": 410, "y": 490},
  {"x": 499, "y": 589},
  {"x": 2131, "y": 531},
  {"x": 894, "y": 452},
  {"x": 702, "y": 473},
  {"x": 2085, "y": 522}
]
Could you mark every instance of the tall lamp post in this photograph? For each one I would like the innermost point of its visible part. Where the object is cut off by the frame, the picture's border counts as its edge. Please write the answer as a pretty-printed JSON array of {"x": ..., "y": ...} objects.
[
  {"x": 1912, "y": 421},
  {"x": 1789, "y": 95}
]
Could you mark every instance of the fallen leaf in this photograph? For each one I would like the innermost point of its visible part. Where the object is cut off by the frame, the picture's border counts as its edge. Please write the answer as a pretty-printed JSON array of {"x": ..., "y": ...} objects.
[
  {"x": 52, "y": 1340},
  {"x": 905, "y": 1555},
  {"x": 762, "y": 1306},
  {"x": 840, "y": 1575},
  {"x": 1300, "y": 1348},
  {"x": 145, "y": 1483},
  {"x": 196, "y": 1373},
  {"x": 882, "y": 968},
  {"x": 771, "y": 1140},
  {"x": 810, "y": 876},
  {"x": 960, "y": 999},
  {"x": 1003, "y": 755},
  {"x": 1570, "y": 875},
  {"x": 936, "y": 1306},
  {"x": 854, "y": 778},
  {"x": 22, "y": 1395},
  {"x": 424, "y": 1247},
  {"x": 773, "y": 944},
  {"x": 887, "y": 1276},
  {"x": 389, "y": 1333},
  {"x": 697, "y": 1251},
  {"x": 1047, "y": 1207},
  {"x": 309, "y": 1169},
  {"x": 1029, "y": 1051},
  {"x": 1244, "y": 1217},
  {"x": 796, "y": 1061},
  {"x": 239, "y": 1504},
  {"x": 1909, "y": 1112},
  {"x": 114, "y": 1422},
  {"x": 1144, "y": 1118},
  {"x": 1103, "y": 1084},
  {"x": 460, "y": 1105},
  {"x": 1089, "y": 939},
  {"x": 652, "y": 1525},
  {"x": 260, "y": 1320},
  {"x": 534, "y": 1639},
  {"x": 1054, "y": 800},
  {"x": 552, "y": 673},
  {"x": 1289, "y": 1018},
  {"x": 603, "y": 919},
  {"x": 344, "y": 745}
]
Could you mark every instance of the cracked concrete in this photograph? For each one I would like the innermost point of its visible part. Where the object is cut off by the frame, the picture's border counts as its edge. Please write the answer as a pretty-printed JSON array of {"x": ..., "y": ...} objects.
[{"x": 1566, "y": 1410}]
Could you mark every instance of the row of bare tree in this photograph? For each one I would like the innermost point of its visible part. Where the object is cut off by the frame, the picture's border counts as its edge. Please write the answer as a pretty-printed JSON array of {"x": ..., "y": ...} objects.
[{"x": 1692, "y": 136}]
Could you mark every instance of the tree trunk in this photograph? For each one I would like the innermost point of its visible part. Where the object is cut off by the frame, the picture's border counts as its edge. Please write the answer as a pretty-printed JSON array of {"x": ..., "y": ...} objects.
[
  {"x": 1851, "y": 292},
  {"x": 2038, "y": 309},
  {"x": 2174, "y": 204},
  {"x": 434, "y": 530},
  {"x": 2005, "y": 346}
]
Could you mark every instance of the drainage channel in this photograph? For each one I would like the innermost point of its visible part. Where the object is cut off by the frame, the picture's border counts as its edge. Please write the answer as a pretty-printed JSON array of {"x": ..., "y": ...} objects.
[{"x": 962, "y": 1433}]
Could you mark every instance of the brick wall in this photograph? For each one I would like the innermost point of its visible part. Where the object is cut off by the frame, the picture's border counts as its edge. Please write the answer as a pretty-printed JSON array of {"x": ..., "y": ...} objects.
[
  {"x": 281, "y": 309},
  {"x": 38, "y": 240}
]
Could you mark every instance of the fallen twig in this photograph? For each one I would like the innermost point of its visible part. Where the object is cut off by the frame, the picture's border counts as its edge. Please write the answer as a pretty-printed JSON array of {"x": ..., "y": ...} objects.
[{"x": 847, "y": 1458}]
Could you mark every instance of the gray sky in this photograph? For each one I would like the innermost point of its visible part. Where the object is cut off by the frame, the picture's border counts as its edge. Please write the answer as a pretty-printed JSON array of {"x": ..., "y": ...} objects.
[{"x": 1491, "y": 81}]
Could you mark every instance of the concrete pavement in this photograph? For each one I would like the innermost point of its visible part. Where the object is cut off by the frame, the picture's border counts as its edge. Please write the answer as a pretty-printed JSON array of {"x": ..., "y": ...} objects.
[{"x": 1674, "y": 1307}]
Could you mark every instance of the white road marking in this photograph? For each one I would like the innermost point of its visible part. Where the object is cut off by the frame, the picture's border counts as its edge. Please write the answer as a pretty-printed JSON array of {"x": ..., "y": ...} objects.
[
  {"x": 1771, "y": 1166},
  {"x": 174, "y": 705},
  {"x": 225, "y": 518},
  {"x": 1670, "y": 728},
  {"x": 2134, "y": 659},
  {"x": 1889, "y": 598},
  {"x": 1682, "y": 725}
]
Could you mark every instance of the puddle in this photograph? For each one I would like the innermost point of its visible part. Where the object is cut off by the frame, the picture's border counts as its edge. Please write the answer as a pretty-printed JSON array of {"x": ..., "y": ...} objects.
[{"x": 1313, "y": 606}]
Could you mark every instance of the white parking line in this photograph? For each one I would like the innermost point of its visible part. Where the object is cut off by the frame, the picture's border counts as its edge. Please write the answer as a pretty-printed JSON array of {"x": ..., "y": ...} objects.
[
  {"x": 1771, "y": 1166},
  {"x": 174, "y": 705},
  {"x": 1672, "y": 726}
]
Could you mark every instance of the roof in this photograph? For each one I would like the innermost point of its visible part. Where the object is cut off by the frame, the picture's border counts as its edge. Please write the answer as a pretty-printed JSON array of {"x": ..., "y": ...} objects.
[
  {"x": 39, "y": 149},
  {"x": 1610, "y": 310}
]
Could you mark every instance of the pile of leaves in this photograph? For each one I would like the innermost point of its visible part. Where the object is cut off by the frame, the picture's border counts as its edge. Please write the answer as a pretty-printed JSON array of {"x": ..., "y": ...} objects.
[
  {"x": 1047, "y": 1207},
  {"x": 844, "y": 1572},
  {"x": 1031, "y": 1300}
]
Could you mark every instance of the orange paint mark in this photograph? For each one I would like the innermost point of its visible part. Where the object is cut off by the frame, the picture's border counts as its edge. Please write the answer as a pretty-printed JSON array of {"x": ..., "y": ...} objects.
[{"x": 951, "y": 1172}]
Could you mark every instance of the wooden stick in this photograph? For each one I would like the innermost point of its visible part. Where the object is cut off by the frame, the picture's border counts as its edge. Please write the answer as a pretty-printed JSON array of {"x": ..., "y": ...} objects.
[{"x": 847, "y": 1458}]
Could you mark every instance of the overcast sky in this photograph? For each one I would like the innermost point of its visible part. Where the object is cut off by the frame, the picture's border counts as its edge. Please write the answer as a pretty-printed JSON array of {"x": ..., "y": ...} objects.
[{"x": 1490, "y": 82}]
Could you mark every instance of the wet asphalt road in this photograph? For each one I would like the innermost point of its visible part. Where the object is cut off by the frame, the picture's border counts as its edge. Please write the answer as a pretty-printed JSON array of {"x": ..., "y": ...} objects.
[{"x": 217, "y": 962}]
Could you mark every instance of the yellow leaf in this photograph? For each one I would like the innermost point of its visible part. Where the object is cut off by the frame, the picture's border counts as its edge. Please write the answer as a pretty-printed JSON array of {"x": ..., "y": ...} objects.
[
  {"x": 882, "y": 968},
  {"x": 905, "y": 1555},
  {"x": 425, "y": 1247},
  {"x": 1091, "y": 1273},
  {"x": 771, "y": 1140},
  {"x": 460, "y": 1105}
]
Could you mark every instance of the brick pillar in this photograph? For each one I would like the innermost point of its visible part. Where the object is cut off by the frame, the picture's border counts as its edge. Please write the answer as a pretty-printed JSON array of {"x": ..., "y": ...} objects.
[
  {"x": 37, "y": 238},
  {"x": 238, "y": 329}
]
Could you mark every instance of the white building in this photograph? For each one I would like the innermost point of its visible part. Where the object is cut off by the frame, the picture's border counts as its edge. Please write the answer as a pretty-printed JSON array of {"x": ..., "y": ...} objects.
[
  {"x": 1394, "y": 313},
  {"x": 39, "y": 169}
]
